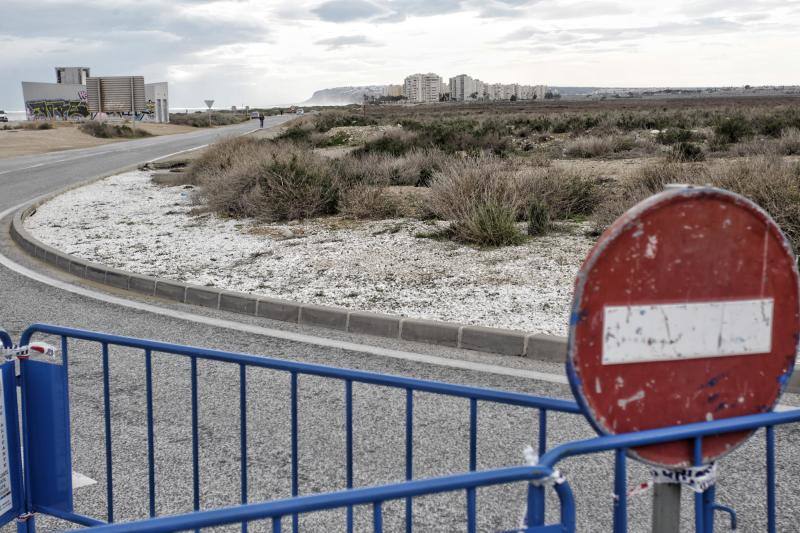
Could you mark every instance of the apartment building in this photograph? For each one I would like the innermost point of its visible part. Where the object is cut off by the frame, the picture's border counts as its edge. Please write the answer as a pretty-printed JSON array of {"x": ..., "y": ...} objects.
[
  {"x": 423, "y": 88},
  {"x": 394, "y": 91}
]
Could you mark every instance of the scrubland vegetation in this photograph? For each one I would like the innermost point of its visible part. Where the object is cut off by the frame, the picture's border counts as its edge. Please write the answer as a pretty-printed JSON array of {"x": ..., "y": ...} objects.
[
  {"x": 501, "y": 175},
  {"x": 104, "y": 130},
  {"x": 201, "y": 119}
]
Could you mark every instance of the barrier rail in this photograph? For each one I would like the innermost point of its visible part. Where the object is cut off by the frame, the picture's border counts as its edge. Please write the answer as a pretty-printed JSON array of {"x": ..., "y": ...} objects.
[
  {"x": 704, "y": 502},
  {"x": 539, "y": 477},
  {"x": 294, "y": 369}
]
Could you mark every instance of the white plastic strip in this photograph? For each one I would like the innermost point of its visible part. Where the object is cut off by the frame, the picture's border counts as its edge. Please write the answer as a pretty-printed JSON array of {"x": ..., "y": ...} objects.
[{"x": 643, "y": 333}]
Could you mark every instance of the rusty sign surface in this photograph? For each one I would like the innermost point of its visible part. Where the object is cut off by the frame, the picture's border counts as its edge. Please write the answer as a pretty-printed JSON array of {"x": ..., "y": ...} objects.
[{"x": 685, "y": 310}]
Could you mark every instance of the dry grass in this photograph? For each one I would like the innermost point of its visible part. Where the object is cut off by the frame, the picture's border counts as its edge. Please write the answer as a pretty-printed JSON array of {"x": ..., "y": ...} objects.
[
  {"x": 597, "y": 146},
  {"x": 481, "y": 198},
  {"x": 769, "y": 181}
]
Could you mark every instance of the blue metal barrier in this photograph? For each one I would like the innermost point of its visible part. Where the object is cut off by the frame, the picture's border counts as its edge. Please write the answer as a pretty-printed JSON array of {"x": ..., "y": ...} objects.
[
  {"x": 35, "y": 375},
  {"x": 467, "y": 482},
  {"x": 376, "y": 496}
]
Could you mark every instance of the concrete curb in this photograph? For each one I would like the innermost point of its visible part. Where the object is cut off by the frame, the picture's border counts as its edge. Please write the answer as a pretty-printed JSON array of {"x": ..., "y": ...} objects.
[{"x": 492, "y": 340}]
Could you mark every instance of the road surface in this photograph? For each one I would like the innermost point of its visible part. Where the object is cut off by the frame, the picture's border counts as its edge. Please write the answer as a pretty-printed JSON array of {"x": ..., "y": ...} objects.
[{"x": 32, "y": 292}]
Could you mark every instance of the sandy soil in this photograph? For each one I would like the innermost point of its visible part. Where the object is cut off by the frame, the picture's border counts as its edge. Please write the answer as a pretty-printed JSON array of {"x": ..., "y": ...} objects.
[
  {"x": 126, "y": 222},
  {"x": 66, "y": 137}
]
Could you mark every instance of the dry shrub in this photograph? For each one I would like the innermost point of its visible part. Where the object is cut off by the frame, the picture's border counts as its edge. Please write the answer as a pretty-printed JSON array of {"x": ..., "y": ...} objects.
[
  {"x": 266, "y": 180},
  {"x": 769, "y": 181},
  {"x": 789, "y": 143},
  {"x": 481, "y": 197},
  {"x": 367, "y": 202},
  {"x": 413, "y": 168},
  {"x": 646, "y": 181},
  {"x": 222, "y": 156},
  {"x": 567, "y": 194},
  {"x": 597, "y": 146}
]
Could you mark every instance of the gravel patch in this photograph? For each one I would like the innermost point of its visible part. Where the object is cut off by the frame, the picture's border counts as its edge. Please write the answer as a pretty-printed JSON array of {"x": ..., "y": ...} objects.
[{"x": 127, "y": 222}]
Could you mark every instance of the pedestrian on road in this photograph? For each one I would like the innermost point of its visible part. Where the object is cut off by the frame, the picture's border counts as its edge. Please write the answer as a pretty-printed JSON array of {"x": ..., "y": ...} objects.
[{"x": 261, "y": 119}]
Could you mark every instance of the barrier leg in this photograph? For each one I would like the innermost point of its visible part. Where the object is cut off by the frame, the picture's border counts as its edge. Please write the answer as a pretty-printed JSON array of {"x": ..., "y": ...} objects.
[
  {"x": 708, "y": 507},
  {"x": 666, "y": 508},
  {"x": 26, "y": 524},
  {"x": 535, "y": 505}
]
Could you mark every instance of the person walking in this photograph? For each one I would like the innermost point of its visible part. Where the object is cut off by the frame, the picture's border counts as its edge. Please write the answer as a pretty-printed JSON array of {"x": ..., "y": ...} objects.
[{"x": 261, "y": 119}]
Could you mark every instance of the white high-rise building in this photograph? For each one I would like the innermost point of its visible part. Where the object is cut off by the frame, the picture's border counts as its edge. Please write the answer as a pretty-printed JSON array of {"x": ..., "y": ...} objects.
[{"x": 423, "y": 88}]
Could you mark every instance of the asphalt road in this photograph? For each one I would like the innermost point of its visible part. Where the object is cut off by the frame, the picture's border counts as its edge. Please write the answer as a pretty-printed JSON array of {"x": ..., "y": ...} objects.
[{"x": 441, "y": 424}]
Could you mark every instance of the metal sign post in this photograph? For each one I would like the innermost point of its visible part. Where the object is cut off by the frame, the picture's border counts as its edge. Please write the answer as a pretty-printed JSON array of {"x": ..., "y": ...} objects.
[
  {"x": 686, "y": 310},
  {"x": 209, "y": 103}
]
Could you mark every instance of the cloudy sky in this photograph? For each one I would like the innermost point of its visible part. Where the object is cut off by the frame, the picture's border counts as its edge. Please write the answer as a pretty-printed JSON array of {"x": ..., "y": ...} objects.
[{"x": 261, "y": 52}]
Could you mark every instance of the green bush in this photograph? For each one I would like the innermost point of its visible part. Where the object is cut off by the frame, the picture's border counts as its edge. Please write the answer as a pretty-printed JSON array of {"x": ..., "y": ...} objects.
[
  {"x": 490, "y": 224},
  {"x": 297, "y": 133},
  {"x": 675, "y": 136},
  {"x": 686, "y": 151},
  {"x": 733, "y": 129},
  {"x": 480, "y": 197},
  {"x": 538, "y": 218}
]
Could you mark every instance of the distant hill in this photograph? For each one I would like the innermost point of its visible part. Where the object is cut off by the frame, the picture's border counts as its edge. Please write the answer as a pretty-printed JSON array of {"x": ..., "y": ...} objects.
[{"x": 344, "y": 95}]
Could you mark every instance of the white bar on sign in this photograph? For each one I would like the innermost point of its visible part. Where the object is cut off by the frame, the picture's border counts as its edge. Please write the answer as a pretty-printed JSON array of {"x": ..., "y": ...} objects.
[{"x": 643, "y": 333}]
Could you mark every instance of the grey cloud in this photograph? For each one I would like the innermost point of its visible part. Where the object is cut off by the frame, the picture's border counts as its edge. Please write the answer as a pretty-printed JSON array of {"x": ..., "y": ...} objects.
[
  {"x": 346, "y": 10},
  {"x": 335, "y": 43},
  {"x": 704, "y": 26}
]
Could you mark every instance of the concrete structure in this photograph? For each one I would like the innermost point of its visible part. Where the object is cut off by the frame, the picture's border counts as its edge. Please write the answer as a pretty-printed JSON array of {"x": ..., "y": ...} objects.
[
  {"x": 423, "y": 88},
  {"x": 157, "y": 102},
  {"x": 72, "y": 75},
  {"x": 394, "y": 91},
  {"x": 122, "y": 95},
  {"x": 462, "y": 87},
  {"x": 54, "y": 101}
]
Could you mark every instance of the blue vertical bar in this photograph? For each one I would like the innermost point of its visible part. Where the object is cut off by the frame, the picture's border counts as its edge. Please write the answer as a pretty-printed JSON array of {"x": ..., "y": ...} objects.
[
  {"x": 771, "y": 519},
  {"x": 542, "y": 431},
  {"x": 151, "y": 457},
  {"x": 537, "y": 498},
  {"x": 243, "y": 432},
  {"x": 699, "y": 512},
  {"x": 295, "y": 482},
  {"x": 708, "y": 507},
  {"x": 409, "y": 453},
  {"x": 535, "y": 512},
  {"x": 276, "y": 524},
  {"x": 107, "y": 414},
  {"x": 195, "y": 439},
  {"x": 348, "y": 422},
  {"x": 620, "y": 492},
  {"x": 472, "y": 526},
  {"x": 473, "y": 434},
  {"x": 377, "y": 517}
]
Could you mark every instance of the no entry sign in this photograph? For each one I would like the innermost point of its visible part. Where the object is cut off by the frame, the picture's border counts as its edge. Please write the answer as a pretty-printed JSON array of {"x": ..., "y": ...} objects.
[{"x": 686, "y": 310}]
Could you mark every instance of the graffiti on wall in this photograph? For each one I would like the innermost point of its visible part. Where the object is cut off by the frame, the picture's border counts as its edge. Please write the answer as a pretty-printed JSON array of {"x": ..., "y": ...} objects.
[{"x": 58, "y": 108}]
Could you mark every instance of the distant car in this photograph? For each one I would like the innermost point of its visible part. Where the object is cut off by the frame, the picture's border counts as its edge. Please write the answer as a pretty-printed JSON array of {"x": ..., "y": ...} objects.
[
  {"x": 254, "y": 114},
  {"x": 300, "y": 112},
  {"x": 3, "y": 116}
]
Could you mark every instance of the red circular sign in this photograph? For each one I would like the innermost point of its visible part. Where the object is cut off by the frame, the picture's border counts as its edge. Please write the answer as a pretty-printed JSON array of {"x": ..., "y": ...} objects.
[{"x": 685, "y": 310}]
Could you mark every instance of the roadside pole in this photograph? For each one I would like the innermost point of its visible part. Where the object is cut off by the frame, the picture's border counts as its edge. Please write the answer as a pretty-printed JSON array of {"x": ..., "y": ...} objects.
[{"x": 666, "y": 508}]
